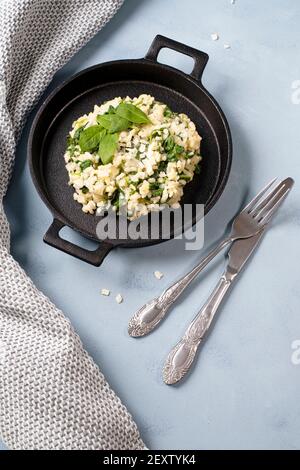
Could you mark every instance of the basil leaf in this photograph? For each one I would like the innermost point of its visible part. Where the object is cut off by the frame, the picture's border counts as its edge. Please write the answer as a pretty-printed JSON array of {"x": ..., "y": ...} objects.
[
  {"x": 132, "y": 113},
  {"x": 85, "y": 164},
  {"x": 104, "y": 118},
  {"x": 107, "y": 147},
  {"x": 89, "y": 138},
  {"x": 113, "y": 122}
]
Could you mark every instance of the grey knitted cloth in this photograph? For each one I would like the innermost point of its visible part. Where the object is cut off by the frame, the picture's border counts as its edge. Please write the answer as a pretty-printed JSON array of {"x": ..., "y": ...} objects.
[{"x": 52, "y": 395}]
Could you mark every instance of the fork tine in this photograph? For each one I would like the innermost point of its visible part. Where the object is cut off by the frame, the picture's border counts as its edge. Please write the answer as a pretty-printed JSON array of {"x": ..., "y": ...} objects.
[
  {"x": 263, "y": 221},
  {"x": 257, "y": 198},
  {"x": 267, "y": 200},
  {"x": 267, "y": 212}
]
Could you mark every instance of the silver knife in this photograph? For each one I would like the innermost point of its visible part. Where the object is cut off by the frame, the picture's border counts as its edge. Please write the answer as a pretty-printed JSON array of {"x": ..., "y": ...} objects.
[{"x": 182, "y": 355}]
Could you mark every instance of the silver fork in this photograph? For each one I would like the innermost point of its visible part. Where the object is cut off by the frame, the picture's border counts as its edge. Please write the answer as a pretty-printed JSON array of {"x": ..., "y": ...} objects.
[{"x": 248, "y": 222}]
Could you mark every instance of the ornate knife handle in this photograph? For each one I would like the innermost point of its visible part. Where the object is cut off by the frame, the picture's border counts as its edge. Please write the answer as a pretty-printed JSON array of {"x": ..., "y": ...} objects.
[
  {"x": 182, "y": 355},
  {"x": 150, "y": 315}
]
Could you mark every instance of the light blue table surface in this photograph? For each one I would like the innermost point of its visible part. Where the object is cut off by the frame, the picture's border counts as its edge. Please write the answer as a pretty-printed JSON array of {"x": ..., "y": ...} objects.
[{"x": 244, "y": 391}]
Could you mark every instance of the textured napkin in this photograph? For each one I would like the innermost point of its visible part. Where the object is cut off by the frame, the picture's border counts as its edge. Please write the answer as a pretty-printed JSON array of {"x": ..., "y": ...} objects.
[{"x": 52, "y": 394}]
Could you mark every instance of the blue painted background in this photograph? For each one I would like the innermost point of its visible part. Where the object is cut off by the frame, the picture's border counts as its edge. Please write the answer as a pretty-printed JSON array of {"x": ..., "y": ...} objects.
[{"x": 244, "y": 390}]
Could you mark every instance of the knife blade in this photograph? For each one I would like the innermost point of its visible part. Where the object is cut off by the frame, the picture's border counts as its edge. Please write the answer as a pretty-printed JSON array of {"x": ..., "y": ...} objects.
[{"x": 240, "y": 252}]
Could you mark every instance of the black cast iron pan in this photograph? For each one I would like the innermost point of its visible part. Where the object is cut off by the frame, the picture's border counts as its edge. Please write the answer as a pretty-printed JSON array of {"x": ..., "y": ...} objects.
[{"x": 78, "y": 95}]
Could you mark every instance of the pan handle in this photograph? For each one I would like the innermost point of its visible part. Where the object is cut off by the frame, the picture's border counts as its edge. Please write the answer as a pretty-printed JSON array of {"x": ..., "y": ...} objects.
[
  {"x": 95, "y": 257},
  {"x": 160, "y": 42}
]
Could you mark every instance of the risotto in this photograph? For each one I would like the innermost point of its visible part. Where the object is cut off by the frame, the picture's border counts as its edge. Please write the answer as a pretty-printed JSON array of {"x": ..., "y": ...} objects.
[{"x": 135, "y": 153}]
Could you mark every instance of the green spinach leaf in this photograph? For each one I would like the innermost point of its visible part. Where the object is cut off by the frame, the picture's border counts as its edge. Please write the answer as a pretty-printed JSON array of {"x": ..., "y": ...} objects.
[
  {"x": 132, "y": 113},
  {"x": 89, "y": 138},
  {"x": 113, "y": 122},
  {"x": 107, "y": 147}
]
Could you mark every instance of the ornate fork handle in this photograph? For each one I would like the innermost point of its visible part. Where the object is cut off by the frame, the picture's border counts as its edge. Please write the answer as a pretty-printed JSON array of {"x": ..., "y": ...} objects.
[
  {"x": 182, "y": 355},
  {"x": 148, "y": 316}
]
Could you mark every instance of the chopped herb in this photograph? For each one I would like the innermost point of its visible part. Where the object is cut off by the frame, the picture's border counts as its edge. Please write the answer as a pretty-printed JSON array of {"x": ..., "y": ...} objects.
[
  {"x": 172, "y": 149},
  {"x": 153, "y": 186},
  {"x": 70, "y": 141},
  {"x": 167, "y": 112},
  {"x": 71, "y": 149},
  {"x": 178, "y": 149},
  {"x": 155, "y": 133},
  {"x": 162, "y": 166},
  {"x": 118, "y": 198},
  {"x": 84, "y": 189},
  {"x": 185, "y": 177},
  {"x": 85, "y": 164},
  {"x": 168, "y": 144},
  {"x": 135, "y": 183},
  {"x": 157, "y": 192}
]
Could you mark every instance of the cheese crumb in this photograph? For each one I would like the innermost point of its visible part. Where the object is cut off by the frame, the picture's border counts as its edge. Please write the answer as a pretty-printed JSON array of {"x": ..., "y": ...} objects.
[
  {"x": 119, "y": 299},
  {"x": 105, "y": 292},
  {"x": 158, "y": 274},
  {"x": 214, "y": 36}
]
